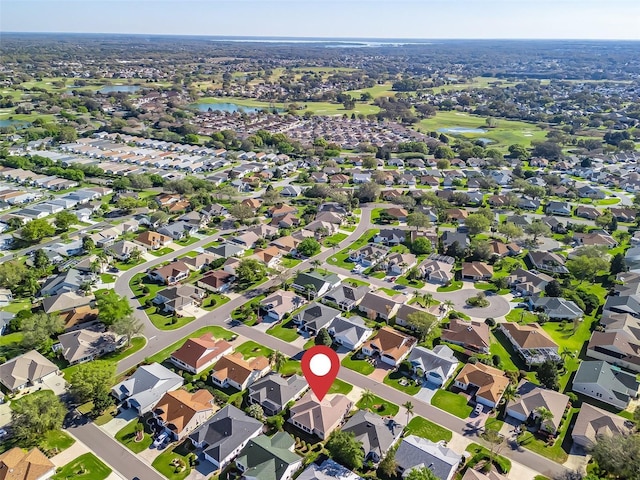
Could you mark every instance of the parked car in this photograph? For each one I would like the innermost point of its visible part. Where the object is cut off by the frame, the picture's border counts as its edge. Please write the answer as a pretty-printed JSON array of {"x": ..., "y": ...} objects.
[
  {"x": 479, "y": 409},
  {"x": 3, "y": 433},
  {"x": 160, "y": 439}
]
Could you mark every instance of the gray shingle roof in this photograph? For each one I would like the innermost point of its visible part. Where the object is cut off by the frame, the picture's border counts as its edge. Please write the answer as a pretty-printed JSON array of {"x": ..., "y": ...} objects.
[{"x": 420, "y": 452}]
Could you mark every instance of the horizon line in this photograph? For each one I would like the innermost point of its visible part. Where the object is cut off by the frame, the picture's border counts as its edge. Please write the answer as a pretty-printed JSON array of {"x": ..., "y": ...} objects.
[{"x": 324, "y": 39}]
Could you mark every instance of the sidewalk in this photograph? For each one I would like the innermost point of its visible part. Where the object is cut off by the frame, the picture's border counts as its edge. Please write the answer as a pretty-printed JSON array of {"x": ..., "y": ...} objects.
[{"x": 77, "y": 449}]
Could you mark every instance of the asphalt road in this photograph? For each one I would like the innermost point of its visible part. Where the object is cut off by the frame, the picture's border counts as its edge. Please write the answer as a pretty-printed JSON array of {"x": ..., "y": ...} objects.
[{"x": 159, "y": 339}]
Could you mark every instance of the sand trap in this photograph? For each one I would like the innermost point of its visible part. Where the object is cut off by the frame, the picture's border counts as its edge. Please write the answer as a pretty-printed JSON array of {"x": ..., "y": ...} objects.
[{"x": 528, "y": 134}]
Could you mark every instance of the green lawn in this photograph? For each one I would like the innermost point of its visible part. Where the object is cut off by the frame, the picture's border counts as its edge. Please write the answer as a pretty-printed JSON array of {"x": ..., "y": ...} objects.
[
  {"x": 18, "y": 305},
  {"x": 36, "y": 394},
  {"x": 161, "y": 252},
  {"x": 340, "y": 259},
  {"x": 409, "y": 283},
  {"x": 427, "y": 429},
  {"x": 451, "y": 402},
  {"x": 388, "y": 291},
  {"x": 289, "y": 262},
  {"x": 285, "y": 331},
  {"x": 106, "y": 278},
  {"x": 480, "y": 452},
  {"x": 455, "y": 285},
  {"x": 166, "y": 322},
  {"x": 521, "y": 315},
  {"x": 506, "y": 356},
  {"x": 379, "y": 406},
  {"x": 55, "y": 442},
  {"x": 356, "y": 282},
  {"x": 291, "y": 367},
  {"x": 361, "y": 366},
  {"x": 214, "y": 300},
  {"x": 217, "y": 332},
  {"x": 393, "y": 380},
  {"x": 127, "y": 437},
  {"x": 334, "y": 239},
  {"x": 251, "y": 349},
  {"x": 559, "y": 452},
  {"x": 127, "y": 265},
  {"x": 85, "y": 467},
  {"x": 338, "y": 386},
  {"x": 608, "y": 201},
  {"x": 163, "y": 464},
  {"x": 493, "y": 423},
  {"x": 187, "y": 241}
]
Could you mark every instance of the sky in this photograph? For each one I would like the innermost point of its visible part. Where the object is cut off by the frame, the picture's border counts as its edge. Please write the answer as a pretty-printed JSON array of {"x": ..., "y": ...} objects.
[{"x": 417, "y": 19}]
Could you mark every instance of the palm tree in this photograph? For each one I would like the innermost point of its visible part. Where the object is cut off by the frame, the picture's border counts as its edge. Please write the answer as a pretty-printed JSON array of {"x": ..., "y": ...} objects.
[
  {"x": 565, "y": 353},
  {"x": 510, "y": 393},
  {"x": 409, "y": 408},
  {"x": 544, "y": 414},
  {"x": 368, "y": 397},
  {"x": 316, "y": 263},
  {"x": 135, "y": 255},
  {"x": 449, "y": 304},
  {"x": 427, "y": 298},
  {"x": 277, "y": 359},
  {"x": 309, "y": 288}
]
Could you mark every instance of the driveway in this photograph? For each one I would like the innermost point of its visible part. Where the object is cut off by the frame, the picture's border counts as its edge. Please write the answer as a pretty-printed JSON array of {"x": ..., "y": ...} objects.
[
  {"x": 118, "y": 423},
  {"x": 498, "y": 306},
  {"x": 426, "y": 393}
]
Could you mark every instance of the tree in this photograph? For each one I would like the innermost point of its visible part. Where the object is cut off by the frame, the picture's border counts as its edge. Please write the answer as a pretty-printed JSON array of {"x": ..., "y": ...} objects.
[
  {"x": 408, "y": 406},
  {"x": 323, "y": 338},
  {"x": 12, "y": 273},
  {"x": 553, "y": 289},
  {"x": 256, "y": 411},
  {"x": 101, "y": 402},
  {"x": 309, "y": 247},
  {"x": 91, "y": 379},
  {"x": 345, "y": 449},
  {"x": 618, "y": 455},
  {"x": 538, "y": 229},
  {"x": 88, "y": 244},
  {"x": 370, "y": 163},
  {"x": 129, "y": 204},
  {"x": 584, "y": 267},
  {"x": 36, "y": 230},
  {"x": 242, "y": 212},
  {"x": 250, "y": 271},
  {"x": 129, "y": 326},
  {"x": 422, "y": 473},
  {"x": 40, "y": 259},
  {"x": 135, "y": 255},
  {"x": 418, "y": 220},
  {"x": 388, "y": 465},
  {"x": 112, "y": 307},
  {"x": 510, "y": 393},
  {"x": 544, "y": 414},
  {"x": 34, "y": 416},
  {"x": 63, "y": 220},
  {"x": 618, "y": 264},
  {"x": 510, "y": 231},
  {"x": 38, "y": 329},
  {"x": 368, "y": 192},
  {"x": 422, "y": 323},
  {"x": 477, "y": 223},
  {"x": 547, "y": 375},
  {"x": 443, "y": 164},
  {"x": 444, "y": 152},
  {"x": 368, "y": 397},
  {"x": 277, "y": 359}
]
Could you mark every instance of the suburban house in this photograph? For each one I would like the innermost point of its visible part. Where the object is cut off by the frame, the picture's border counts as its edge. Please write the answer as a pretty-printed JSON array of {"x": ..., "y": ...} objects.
[
  {"x": 528, "y": 282},
  {"x": 279, "y": 303},
  {"x": 390, "y": 236},
  {"x": 534, "y": 345},
  {"x": 593, "y": 422},
  {"x": 152, "y": 240},
  {"x": 379, "y": 305},
  {"x": 346, "y": 297},
  {"x": 377, "y": 434},
  {"x": 270, "y": 256},
  {"x": 547, "y": 262},
  {"x": 558, "y": 208},
  {"x": 226, "y": 250},
  {"x": 142, "y": 390},
  {"x": 64, "y": 302},
  {"x": 200, "y": 261},
  {"x": 402, "y": 317},
  {"x": 449, "y": 238},
  {"x": 178, "y": 230},
  {"x": 417, "y": 452},
  {"x": 315, "y": 284},
  {"x": 69, "y": 281},
  {"x": 273, "y": 392},
  {"x": 606, "y": 383},
  {"x": 435, "y": 366},
  {"x": 399, "y": 263},
  {"x": 328, "y": 470},
  {"x": 233, "y": 370},
  {"x": 87, "y": 344},
  {"x": 180, "y": 412},
  {"x": 177, "y": 298},
  {"x": 390, "y": 345},
  {"x": 26, "y": 370},
  {"x": 350, "y": 332},
  {"x": 270, "y": 458},
  {"x": 105, "y": 237},
  {"x": 485, "y": 383},
  {"x": 123, "y": 249},
  {"x": 198, "y": 354},
  {"x": 319, "y": 418},
  {"x": 476, "y": 271},
  {"x": 473, "y": 335},
  {"x": 530, "y": 397},
  {"x": 217, "y": 281},
  {"x": 17, "y": 464},
  {"x": 556, "y": 308},
  {"x": 438, "y": 271},
  {"x": 399, "y": 214},
  {"x": 223, "y": 436},
  {"x": 170, "y": 274},
  {"x": 368, "y": 255},
  {"x": 315, "y": 316},
  {"x": 619, "y": 343}
]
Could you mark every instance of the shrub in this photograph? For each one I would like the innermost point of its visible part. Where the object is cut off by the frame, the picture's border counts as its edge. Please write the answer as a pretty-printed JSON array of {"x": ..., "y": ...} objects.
[
  {"x": 491, "y": 322},
  {"x": 473, "y": 360},
  {"x": 496, "y": 360}
]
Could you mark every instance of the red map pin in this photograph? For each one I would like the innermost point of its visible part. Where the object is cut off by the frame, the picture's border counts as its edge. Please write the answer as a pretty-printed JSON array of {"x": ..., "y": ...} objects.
[{"x": 320, "y": 366}]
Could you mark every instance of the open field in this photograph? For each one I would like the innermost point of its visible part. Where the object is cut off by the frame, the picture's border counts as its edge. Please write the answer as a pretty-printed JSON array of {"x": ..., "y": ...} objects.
[{"x": 318, "y": 108}]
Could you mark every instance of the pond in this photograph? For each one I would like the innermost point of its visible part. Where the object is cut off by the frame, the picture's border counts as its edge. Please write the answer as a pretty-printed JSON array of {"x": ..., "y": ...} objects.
[
  {"x": 461, "y": 130},
  {"x": 14, "y": 123},
  {"x": 119, "y": 88},
  {"x": 231, "y": 107}
]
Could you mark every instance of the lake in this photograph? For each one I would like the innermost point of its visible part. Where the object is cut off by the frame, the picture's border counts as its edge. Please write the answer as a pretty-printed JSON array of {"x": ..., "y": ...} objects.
[
  {"x": 14, "y": 123},
  {"x": 119, "y": 88},
  {"x": 231, "y": 107},
  {"x": 461, "y": 130}
]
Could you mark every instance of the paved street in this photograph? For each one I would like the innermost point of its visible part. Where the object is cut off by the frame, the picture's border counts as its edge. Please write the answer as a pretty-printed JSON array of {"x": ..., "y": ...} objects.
[{"x": 159, "y": 339}]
